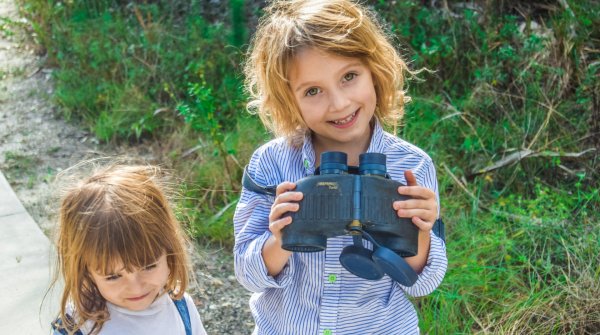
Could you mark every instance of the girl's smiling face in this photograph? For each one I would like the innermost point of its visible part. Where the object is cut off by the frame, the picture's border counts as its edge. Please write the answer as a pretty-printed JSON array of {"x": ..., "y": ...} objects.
[
  {"x": 135, "y": 290},
  {"x": 336, "y": 98}
]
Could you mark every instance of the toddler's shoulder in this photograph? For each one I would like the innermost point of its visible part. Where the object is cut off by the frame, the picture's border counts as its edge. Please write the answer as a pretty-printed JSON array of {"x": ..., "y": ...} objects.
[
  {"x": 71, "y": 314},
  {"x": 189, "y": 300}
]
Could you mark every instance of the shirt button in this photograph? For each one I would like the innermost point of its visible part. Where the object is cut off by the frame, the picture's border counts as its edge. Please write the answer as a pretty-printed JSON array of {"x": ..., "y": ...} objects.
[
  {"x": 327, "y": 332},
  {"x": 332, "y": 278}
]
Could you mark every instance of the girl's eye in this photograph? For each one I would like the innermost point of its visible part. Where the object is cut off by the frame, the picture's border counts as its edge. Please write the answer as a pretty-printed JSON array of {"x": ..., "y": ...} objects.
[
  {"x": 349, "y": 76},
  {"x": 149, "y": 267},
  {"x": 312, "y": 91},
  {"x": 112, "y": 277}
]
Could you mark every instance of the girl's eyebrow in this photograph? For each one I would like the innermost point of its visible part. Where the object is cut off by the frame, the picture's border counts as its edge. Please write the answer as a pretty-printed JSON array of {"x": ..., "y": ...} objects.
[{"x": 343, "y": 69}]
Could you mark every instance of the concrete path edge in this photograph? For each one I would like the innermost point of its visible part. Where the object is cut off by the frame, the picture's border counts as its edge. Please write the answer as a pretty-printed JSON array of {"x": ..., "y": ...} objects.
[{"x": 26, "y": 255}]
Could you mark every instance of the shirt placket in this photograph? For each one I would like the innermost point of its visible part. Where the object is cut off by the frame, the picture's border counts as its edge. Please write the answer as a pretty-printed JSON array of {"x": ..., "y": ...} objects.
[{"x": 330, "y": 300}]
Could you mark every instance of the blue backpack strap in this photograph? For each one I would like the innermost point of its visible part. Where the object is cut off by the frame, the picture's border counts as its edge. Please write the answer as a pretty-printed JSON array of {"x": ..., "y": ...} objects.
[
  {"x": 182, "y": 308},
  {"x": 59, "y": 330}
]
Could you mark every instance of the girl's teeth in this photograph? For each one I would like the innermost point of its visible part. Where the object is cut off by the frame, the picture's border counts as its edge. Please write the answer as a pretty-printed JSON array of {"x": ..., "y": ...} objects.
[{"x": 346, "y": 120}]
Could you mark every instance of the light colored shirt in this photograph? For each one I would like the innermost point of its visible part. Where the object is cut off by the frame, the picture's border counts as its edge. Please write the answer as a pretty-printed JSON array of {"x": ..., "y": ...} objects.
[
  {"x": 160, "y": 318},
  {"x": 314, "y": 293}
]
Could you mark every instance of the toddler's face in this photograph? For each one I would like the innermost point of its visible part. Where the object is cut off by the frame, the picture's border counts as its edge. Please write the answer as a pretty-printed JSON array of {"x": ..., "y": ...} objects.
[
  {"x": 336, "y": 97},
  {"x": 133, "y": 290}
]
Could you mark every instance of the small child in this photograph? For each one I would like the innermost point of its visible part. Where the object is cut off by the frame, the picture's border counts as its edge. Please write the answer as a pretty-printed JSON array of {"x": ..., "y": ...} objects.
[
  {"x": 122, "y": 257},
  {"x": 324, "y": 77}
]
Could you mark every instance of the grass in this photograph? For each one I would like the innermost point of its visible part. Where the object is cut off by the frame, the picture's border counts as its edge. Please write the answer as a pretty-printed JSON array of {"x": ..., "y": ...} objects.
[
  {"x": 17, "y": 166},
  {"x": 6, "y": 27},
  {"x": 210, "y": 200},
  {"x": 506, "y": 78},
  {"x": 519, "y": 273}
]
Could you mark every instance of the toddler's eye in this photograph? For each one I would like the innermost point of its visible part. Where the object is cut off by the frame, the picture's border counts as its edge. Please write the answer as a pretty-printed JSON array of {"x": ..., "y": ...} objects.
[
  {"x": 349, "y": 76},
  {"x": 150, "y": 267},
  {"x": 112, "y": 277},
  {"x": 312, "y": 91}
]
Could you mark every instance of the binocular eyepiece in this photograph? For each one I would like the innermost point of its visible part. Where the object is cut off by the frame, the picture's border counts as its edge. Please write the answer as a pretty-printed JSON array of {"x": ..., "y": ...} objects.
[
  {"x": 343, "y": 200},
  {"x": 335, "y": 162}
]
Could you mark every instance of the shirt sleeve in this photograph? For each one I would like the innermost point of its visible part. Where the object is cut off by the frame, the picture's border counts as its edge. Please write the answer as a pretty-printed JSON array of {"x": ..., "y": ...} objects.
[
  {"x": 196, "y": 322},
  {"x": 251, "y": 229},
  {"x": 437, "y": 262},
  {"x": 433, "y": 272}
]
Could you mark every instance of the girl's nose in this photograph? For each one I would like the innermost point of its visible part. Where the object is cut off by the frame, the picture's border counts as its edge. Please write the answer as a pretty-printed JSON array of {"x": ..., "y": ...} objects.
[
  {"x": 338, "y": 101},
  {"x": 134, "y": 281}
]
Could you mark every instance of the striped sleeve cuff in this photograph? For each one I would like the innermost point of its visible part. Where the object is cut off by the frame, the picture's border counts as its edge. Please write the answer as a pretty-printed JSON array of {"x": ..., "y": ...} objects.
[
  {"x": 254, "y": 274},
  {"x": 433, "y": 272}
]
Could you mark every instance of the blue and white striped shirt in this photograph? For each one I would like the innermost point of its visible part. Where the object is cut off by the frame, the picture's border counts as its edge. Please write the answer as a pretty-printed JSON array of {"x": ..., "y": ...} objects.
[{"x": 314, "y": 293}]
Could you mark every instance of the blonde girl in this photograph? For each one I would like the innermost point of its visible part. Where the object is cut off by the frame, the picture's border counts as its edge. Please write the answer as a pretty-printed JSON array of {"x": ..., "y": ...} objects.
[
  {"x": 122, "y": 257},
  {"x": 323, "y": 76}
]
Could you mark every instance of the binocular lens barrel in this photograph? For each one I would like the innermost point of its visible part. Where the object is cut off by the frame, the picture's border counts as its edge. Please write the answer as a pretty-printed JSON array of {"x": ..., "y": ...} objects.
[
  {"x": 334, "y": 162},
  {"x": 372, "y": 163}
]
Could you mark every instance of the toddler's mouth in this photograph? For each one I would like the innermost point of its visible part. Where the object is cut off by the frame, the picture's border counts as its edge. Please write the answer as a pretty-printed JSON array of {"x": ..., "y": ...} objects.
[
  {"x": 138, "y": 298},
  {"x": 345, "y": 121}
]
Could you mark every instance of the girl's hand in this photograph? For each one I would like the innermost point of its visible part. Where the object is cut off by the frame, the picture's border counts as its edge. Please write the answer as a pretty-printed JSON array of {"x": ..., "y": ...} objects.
[
  {"x": 283, "y": 203},
  {"x": 422, "y": 208}
]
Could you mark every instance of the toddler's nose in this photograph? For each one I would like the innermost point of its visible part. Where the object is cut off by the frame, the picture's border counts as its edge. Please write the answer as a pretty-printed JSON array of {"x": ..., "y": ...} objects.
[{"x": 134, "y": 282}]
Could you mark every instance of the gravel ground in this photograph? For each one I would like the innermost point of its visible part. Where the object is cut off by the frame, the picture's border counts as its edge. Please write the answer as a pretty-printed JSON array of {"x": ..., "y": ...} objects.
[{"x": 36, "y": 143}]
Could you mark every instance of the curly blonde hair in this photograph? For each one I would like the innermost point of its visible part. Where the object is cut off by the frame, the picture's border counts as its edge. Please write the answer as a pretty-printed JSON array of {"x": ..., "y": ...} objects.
[
  {"x": 341, "y": 27},
  {"x": 117, "y": 215}
]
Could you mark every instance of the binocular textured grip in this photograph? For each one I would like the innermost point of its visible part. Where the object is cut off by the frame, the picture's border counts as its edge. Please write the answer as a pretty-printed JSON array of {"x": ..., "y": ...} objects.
[{"x": 325, "y": 210}]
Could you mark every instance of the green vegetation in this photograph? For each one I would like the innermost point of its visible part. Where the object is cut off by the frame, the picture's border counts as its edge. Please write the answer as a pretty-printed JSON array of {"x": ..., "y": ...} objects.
[
  {"x": 17, "y": 166},
  {"x": 524, "y": 236},
  {"x": 509, "y": 111}
]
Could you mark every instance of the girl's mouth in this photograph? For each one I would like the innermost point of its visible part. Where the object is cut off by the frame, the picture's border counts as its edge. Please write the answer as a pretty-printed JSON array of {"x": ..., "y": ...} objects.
[
  {"x": 138, "y": 298},
  {"x": 345, "y": 122}
]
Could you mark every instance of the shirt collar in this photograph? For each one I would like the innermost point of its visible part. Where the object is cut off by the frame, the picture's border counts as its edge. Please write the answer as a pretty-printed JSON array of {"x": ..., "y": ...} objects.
[
  {"x": 377, "y": 143},
  {"x": 308, "y": 154},
  {"x": 308, "y": 151}
]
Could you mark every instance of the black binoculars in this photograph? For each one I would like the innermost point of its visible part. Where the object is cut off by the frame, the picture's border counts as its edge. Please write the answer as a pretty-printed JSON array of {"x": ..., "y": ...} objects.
[{"x": 341, "y": 200}]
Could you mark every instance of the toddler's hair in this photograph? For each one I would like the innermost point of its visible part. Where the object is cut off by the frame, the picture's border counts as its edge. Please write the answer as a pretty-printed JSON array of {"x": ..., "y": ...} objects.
[
  {"x": 117, "y": 215},
  {"x": 340, "y": 27}
]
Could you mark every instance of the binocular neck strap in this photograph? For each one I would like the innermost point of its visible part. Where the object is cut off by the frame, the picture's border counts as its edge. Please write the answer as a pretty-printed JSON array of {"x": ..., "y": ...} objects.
[
  {"x": 253, "y": 186},
  {"x": 439, "y": 230}
]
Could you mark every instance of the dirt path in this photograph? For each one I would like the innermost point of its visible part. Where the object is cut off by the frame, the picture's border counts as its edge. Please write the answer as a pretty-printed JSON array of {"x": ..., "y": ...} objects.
[{"x": 36, "y": 143}]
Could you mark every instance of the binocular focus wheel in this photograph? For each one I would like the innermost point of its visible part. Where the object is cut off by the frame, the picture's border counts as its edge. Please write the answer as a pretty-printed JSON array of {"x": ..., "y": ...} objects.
[
  {"x": 395, "y": 266},
  {"x": 357, "y": 260}
]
